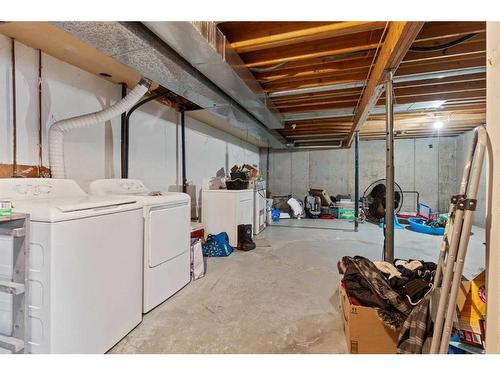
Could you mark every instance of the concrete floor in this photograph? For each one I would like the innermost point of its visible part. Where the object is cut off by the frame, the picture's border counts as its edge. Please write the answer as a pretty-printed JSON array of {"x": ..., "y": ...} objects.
[{"x": 281, "y": 298}]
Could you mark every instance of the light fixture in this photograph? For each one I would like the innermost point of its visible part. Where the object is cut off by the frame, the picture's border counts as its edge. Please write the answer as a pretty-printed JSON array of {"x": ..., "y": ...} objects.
[{"x": 438, "y": 124}]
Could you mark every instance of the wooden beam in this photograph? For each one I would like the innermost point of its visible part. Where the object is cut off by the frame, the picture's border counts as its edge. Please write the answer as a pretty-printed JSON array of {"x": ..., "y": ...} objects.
[
  {"x": 315, "y": 82},
  {"x": 470, "y": 47},
  {"x": 331, "y": 67},
  {"x": 243, "y": 30},
  {"x": 410, "y": 93},
  {"x": 23, "y": 170},
  {"x": 399, "y": 38},
  {"x": 326, "y": 77},
  {"x": 440, "y": 30},
  {"x": 307, "y": 34},
  {"x": 317, "y": 62},
  {"x": 329, "y": 47},
  {"x": 469, "y": 78}
]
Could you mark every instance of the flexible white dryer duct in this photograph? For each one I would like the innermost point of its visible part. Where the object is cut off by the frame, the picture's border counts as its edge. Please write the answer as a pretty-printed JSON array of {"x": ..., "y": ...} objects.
[{"x": 57, "y": 130}]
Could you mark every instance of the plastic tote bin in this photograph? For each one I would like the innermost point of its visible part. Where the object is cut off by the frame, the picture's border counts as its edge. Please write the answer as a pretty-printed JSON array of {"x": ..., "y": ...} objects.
[
  {"x": 418, "y": 225},
  {"x": 342, "y": 213},
  {"x": 275, "y": 215}
]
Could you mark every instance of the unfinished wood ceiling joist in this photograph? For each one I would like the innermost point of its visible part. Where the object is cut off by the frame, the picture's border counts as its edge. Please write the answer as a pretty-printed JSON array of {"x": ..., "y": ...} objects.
[
  {"x": 400, "y": 36},
  {"x": 330, "y": 62}
]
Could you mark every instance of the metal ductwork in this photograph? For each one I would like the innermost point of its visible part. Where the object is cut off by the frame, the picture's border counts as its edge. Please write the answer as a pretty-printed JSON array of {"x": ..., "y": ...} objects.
[
  {"x": 204, "y": 46},
  {"x": 135, "y": 46}
]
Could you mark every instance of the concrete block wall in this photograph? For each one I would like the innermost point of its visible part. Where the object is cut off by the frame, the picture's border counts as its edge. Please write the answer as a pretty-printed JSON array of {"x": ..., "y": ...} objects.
[
  {"x": 427, "y": 165},
  {"x": 94, "y": 152}
]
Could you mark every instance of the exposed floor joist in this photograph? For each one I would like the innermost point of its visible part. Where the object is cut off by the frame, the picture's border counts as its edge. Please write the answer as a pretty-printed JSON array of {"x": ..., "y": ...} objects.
[
  {"x": 315, "y": 73},
  {"x": 400, "y": 37}
]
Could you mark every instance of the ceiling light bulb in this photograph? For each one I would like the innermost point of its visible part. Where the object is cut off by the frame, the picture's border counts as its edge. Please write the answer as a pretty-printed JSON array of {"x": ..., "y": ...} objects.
[{"x": 438, "y": 124}]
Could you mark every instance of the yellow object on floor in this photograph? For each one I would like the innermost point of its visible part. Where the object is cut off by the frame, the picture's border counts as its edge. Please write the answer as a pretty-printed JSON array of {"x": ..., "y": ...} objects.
[{"x": 473, "y": 313}]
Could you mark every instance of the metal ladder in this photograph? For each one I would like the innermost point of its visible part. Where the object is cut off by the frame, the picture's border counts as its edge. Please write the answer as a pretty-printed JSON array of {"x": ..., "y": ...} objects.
[
  {"x": 454, "y": 245},
  {"x": 16, "y": 226}
]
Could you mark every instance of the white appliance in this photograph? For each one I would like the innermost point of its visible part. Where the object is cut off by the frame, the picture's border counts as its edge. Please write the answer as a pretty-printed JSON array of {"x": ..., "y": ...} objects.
[
  {"x": 260, "y": 207},
  {"x": 85, "y": 274},
  {"x": 223, "y": 210},
  {"x": 167, "y": 233}
]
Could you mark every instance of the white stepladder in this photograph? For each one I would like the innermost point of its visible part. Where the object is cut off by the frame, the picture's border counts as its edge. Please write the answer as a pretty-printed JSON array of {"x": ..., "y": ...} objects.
[
  {"x": 14, "y": 246},
  {"x": 455, "y": 241}
]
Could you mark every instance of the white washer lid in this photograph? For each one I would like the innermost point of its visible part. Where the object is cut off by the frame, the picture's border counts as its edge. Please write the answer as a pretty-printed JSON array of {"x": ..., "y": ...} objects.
[{"x": 70, "y": 208}]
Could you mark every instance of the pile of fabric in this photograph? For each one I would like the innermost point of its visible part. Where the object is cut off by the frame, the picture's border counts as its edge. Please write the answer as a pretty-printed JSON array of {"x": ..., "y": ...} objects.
[{"x": 399, "y": 291}]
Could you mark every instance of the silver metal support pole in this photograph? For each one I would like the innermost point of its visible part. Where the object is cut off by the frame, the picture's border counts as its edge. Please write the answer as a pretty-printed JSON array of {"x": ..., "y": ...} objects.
[
  {"x": 356, "y": 181},
  {"x": 389, "y": 172}
]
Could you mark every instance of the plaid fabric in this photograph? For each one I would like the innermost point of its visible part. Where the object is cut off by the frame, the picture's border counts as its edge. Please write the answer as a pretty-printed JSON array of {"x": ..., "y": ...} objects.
[
  {"x": 379, "y": 284},
  {"x": 415, "y": 329}
]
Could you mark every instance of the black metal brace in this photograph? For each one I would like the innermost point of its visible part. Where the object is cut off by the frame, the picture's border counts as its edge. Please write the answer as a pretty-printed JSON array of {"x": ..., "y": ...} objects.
[
  {"x": 457, "y": 198},
  {"x": 467, "y": 204}
]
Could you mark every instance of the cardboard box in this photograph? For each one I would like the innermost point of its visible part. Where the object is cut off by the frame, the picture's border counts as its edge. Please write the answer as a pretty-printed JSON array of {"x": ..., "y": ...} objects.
[
  {"x": 364, "y": 331},
  {"x": 472, "y": 307}
]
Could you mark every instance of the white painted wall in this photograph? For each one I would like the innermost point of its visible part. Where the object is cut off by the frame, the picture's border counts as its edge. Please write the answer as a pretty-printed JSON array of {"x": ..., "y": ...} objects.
[
  {"x": 93, "y": 153},
  {"x": 493, "y": 215}
]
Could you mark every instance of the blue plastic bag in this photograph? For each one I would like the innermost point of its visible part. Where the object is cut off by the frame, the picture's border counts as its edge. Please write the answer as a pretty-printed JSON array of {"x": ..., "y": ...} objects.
[{"x": 217, "y": 245}]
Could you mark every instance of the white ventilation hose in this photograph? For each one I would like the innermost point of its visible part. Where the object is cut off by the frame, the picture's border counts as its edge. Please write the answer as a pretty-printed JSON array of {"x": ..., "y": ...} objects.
[{"x": 57, "y": 130}]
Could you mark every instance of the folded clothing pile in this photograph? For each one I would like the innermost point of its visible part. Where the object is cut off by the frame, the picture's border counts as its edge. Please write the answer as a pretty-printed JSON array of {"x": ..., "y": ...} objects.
[
  {"x": 400, "y": 292},
  {"x": 411, "y": 279}
]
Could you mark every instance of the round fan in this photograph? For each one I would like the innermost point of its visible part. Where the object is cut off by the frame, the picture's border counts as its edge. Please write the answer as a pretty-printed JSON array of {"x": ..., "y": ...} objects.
[{"x": 374, "y": 198}]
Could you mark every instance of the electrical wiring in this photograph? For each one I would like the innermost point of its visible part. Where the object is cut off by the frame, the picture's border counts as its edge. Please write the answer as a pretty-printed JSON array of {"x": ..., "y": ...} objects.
[{"x": 444, "y": 46}]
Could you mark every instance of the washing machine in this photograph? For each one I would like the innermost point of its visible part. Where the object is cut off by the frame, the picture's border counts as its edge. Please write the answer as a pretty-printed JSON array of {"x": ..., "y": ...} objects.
[
  {"x": 167, "y": 232},
  {"x": 85, "y": 271}
]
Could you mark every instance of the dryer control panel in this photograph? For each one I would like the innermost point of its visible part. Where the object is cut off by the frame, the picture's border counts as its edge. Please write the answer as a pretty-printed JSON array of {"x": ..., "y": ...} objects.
[
  {"x": 38, "y": 188},
  {"x": 118, "y": 186}
]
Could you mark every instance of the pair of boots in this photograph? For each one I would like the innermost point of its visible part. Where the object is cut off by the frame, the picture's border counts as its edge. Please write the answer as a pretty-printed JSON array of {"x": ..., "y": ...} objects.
[{"x": 245, "y": 241}]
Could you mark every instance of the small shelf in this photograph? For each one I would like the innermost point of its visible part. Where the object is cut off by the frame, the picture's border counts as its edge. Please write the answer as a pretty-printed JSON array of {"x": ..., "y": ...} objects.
[
  {"x": 12, "y": 232},
  {"x": 17, "y": 226},
  {"x": 11, "y": 287},
  {"x": 13, "y": 344},
  {"x": 14, "y": 216}
]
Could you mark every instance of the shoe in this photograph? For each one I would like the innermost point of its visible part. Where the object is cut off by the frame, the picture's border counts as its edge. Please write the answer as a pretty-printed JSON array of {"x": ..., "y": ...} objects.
[{"x": 245, "y": 241}]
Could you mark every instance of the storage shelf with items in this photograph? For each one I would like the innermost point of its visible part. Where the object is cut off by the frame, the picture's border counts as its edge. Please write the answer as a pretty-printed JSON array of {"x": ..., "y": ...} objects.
[{"x": 13, "y": 283}]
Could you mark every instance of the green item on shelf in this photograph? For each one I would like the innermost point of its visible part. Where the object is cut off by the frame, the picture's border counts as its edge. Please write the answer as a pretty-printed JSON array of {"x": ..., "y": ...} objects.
[{"x": 5, "y": 208}]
